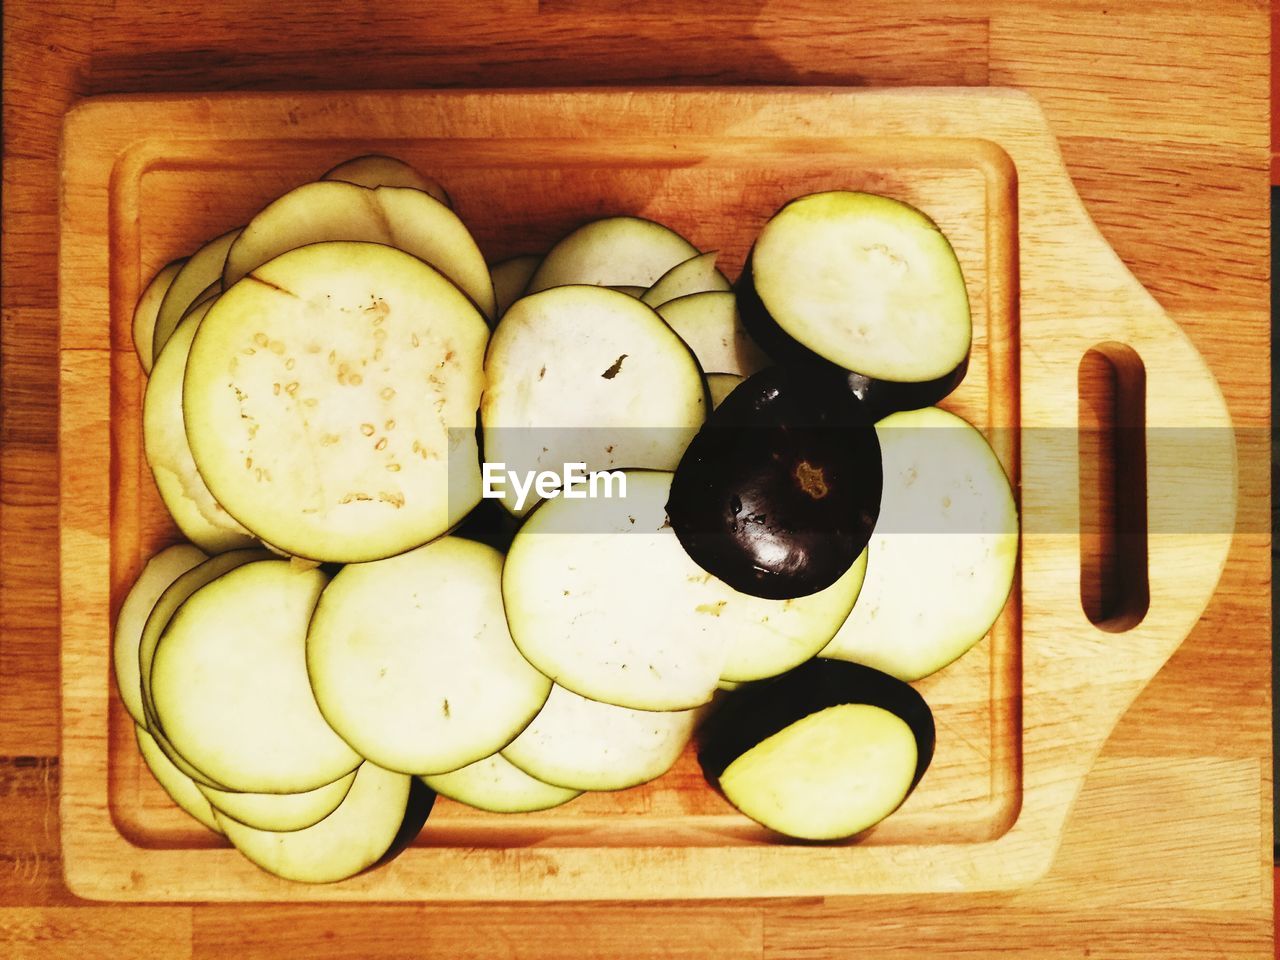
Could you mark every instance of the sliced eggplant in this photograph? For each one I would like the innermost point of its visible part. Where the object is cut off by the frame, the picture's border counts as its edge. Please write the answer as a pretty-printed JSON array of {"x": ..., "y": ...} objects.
[
  {"x": 695, "y": 275},
  {"x": 382, "y": 811},
  {"x": 510, "y": 278},
  {"x": 720, "y": 385},
  {"x": 601, "y": 598},
  {"x": 412, "y": 663},
  {"x": 627, "y": 251},
  {"x": 941, "y": 562},
  {"x": 162, "y": 611},
  {"x": 280, "y": 812},
  {"x": 193, "y": 508},
  {"x": 201, "y": 269},
  {"x": 329, "y": 210},
  {"x": 229, "y": 682},
  {"x": 864, "y": 283},
  {"x": 376, "y": 170},
  {"x": 156, "y": 576},
  {"x": 330, "y": 401},
  {"x": 709, "y": 323},
  {"x": 778, "y": 494},
  {"x": 499, "y": 786},
  {"x": 631, "y": 290},
  {"x": 821, "y": 753},
  {"x": 147, "y": 309},
  {"x": 583, "y": 744},
  {"x": 582, "y": 374},
  {"x": 181, "y": 789}
]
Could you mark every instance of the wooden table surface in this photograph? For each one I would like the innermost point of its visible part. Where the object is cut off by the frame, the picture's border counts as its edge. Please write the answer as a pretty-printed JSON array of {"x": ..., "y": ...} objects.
[{"x": 1161, "y": 111}]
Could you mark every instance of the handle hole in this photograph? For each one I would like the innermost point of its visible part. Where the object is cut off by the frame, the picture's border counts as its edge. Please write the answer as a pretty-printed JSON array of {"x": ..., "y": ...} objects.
[{"x": 1114, "y": 588}]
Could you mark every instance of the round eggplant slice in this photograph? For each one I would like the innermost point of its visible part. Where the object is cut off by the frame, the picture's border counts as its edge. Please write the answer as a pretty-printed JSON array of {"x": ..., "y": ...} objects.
[
  {"x": 148, "y": 308},
  {"x": 778, "y": 493},
  {"x": 510, "y": 279},
  {"x": 229, "y": 681},
  {"x": 583, "y": 744},
  {"x": 602, "y": 598},
  {"x": 330, "y": 401},
  {"x": 162, "y": 611},
  {"x": 821, "y": 753},
  {"x": 190, "y": 283},
  {"x": 380, "y": 814},
  {"x": 695, "y": 275},
  {"x": 412, "y": 663},
  {"x": 948, "y": 532},
  {"x": 720, "y": 385},
  {"x": 181, "y": 789},
  {"x": 629, "y": 289},
  {"x": 193, "y": 508},
  {"x": 615, "y": 251},
  {"x": 156, "y": 576},
  {"x": 709, "y": 323},
  {"x": 582, "y": 374},
  {"x": 377, "y": 170},
  {"x": 862, "y": 282},
  {"x": 279, "y": 811},
  {"x": 330, "y": 210},
  {"x": 499, "y": 786}
]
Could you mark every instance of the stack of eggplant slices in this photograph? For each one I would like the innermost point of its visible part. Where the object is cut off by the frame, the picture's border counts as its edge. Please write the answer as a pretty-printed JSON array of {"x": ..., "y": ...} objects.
[{"x": 775, "y": 534}]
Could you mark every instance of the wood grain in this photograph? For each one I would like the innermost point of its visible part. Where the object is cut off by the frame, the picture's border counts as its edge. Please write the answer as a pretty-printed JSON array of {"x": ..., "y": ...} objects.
[
  {"x": 1124, "y": 119},
  {"x": 524, "y": 168},
  {"x": 981, "y": 163}
]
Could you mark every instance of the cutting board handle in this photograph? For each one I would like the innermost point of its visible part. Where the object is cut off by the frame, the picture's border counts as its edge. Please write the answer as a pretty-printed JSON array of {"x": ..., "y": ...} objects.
[{"x": 1170, "y": 436}]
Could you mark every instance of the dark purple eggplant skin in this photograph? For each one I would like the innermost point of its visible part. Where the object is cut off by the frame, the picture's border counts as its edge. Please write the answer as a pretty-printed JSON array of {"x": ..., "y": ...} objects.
[
  {"x": 779, "y": 491},
  {"x": 879, "y": 397},
  {"x": 757, "y": 711},
  {"x": 421, "y": 799}
]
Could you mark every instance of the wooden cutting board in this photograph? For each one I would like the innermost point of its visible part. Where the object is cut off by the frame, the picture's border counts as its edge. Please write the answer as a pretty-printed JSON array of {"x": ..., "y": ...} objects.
[{"x": 1020, "y": 718}]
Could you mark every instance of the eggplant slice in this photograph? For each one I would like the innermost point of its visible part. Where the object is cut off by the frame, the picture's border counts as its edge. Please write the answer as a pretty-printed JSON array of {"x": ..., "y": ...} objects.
[
  {"x": 382, "y": 812},
  {"x": 582, "y": 374},
  {"x": 400, "y": 217},
  {"x": 330, "y": 401},
  {"x": 377, "y": 170},
  {"x": 181, "y": 789},
  {"x": 200, "y": 517},
  {"x": 510, "y": 280},
  {"x": 695, "y": 275},
  {"x": 280, "y": 812},
  {"x": 582, "y": 744},
  {"x": 821, "y": 753},
  {"x": 148, "y": 309},
  {"x": 709, "y": 323},
  {"x": 412, "y": 663},
  {"x": 229, "y": 681},
  {"x": 497, "y": 785},
  {"x": 941, "y": 562},
  {"x": 157, "y": 574},
  {"x": 615, "y": 251},
  {"x": 191, "y": 282},
  {"x": 867, "y": 284}
]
